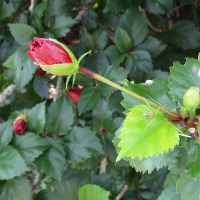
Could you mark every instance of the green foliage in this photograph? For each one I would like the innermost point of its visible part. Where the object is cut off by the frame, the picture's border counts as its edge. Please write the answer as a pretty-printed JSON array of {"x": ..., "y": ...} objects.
[
  {"x": 89, "y": 192},
  {"x": 88, "y": 99},
  {"x": 81, "y": 144},
  {"x": 22, "y": 33},
  {"x": 52, "y": 162},
  {"x": 145, "y": 137},
  {"x": 182, "y": 77},
  {"x": 30, "y": 146},
  {"x": 66, "y": 151},
  {"x": 6, "y": 133},
  {"x": 193, "y": 160},
  {"x": 14, "y": 189},
  {"x": 36, "y": 118},
  {"x": 9, "y": 159},
  {"x": 59, "y": 117}
]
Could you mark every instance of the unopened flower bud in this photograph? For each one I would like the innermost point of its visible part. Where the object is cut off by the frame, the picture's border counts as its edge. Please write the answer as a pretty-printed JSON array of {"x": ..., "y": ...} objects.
[
  {"x": 74, "y": 93},
  {"x": 19, "y": 124},
  {"x": 149, "y": 114},
  {"x": 191, "y": 98},
  {"x": 53, "y": 56}
]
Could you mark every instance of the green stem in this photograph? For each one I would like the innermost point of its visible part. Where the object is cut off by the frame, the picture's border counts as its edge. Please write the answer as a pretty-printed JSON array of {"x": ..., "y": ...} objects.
[
  {"x": 192, "y": 116},
  {"x": 87, "y": 72}
]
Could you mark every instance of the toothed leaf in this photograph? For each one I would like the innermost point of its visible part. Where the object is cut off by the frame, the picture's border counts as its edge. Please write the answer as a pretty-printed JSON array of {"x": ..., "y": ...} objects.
[
  {"x": 145, "y": 137},
  {"x": 182, "y": 77}
]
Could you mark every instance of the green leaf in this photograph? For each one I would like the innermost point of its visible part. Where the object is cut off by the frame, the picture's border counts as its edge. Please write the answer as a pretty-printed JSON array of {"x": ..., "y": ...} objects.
[
  {"x": 40, "y": 85},
  {"x": 139, "y": 61},
  {"x": 145, "y": 137},
  {"x": 36, "y": 118},
  {"x": 38, "y": 13},
  {"x": 81, "y": 144},
  {"x": 100, "y": 39},
  {"x": 9, "y": 63},
  {"x": 134, "y": 23},
  {"x": 6, "y": 133},
  {"x": 15, "y": 189},
  {"x": 96, "y": 61},
  {"x": 4, "y": 10},
  {"x": 53, "y": 161},
  {"x": 30, "y": 146},
  {"x": 88, "y": 99},
  {"x": 91, "y": 192},
  {"x": 114, "y": 74},
  {"x": 159, "y": 6},
  {"x": 152, "y": 45},
  {"x": 63, "y": 190},
  {"x": 60, "y": 116},
  {"x": 114, "y": 56},
  {"x": 22, "y": 33},
  {"x": 157, "y": 92},
  {"x": 102, "y": 116},
  {"x": 122, "y": 40},
  {"x": 186, "y": 186},
  {"x": 170, "y": 194},
  {"x": 60, "y": 25},
  {"x": 182, "y": 77},
  {"x": 193, "y": 161},
  {"x": 115, "y": 6},
  {"x": 184, "y": 34},
  {"x": 24, "y": 67},
  {"x": 88, "y": 163},
  {"x": 12, "y": 164},
  {"x": 151, "y": 163},
  {"x": 158, "y": 74}
]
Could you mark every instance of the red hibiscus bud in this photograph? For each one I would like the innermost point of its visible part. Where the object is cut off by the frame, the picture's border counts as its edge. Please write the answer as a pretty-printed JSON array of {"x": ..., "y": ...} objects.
[
  {"x": 40, "y": 72},
  {"x": 19, "y": 124},
  {"x": 74, "y": 93},
  {"x": 53, "y": 56}
]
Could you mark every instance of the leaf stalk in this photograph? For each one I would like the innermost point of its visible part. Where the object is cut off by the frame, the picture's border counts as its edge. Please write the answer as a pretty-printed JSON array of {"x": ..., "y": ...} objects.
[{"x": 92, "y": 74}]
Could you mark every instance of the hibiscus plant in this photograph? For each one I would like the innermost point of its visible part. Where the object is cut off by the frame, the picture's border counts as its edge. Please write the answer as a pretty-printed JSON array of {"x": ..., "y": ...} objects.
[{"x": 99, "y": 100}]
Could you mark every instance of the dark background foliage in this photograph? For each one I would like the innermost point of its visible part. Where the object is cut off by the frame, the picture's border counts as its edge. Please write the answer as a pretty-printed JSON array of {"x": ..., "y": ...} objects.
[{"x": 67, "y": 145}]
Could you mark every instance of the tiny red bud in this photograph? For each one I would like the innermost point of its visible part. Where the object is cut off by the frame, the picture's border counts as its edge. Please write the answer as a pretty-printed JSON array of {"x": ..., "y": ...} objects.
[
  {"x": 19, "y": 125},
  {"x": 74, "y": 93},
  {"x": 40, "y": 72}
]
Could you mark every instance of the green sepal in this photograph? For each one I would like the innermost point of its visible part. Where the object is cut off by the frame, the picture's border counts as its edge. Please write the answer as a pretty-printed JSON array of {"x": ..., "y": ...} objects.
[
  {"x": 61, "y": 69},
  {"x": 85, "y": 54},
  {"x": 67, "y": 81}
]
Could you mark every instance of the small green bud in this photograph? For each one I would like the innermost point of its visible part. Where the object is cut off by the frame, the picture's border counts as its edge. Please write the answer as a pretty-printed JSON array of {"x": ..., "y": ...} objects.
[
  {"x": 191, "y": 98},
  {"x": 149, "y": 114}
]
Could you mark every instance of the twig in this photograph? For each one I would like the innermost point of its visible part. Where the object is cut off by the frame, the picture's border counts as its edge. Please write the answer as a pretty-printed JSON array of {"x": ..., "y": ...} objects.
[
  {"x": 104, "y": 163},
  {"x": 150, "y": 24},
  {"x": 7, "y": 92},
  {"x": 36, "y": 187},
  {"x": 182, "y": 134},
  {"x": 121, "y": 194},
  {"x": 31, "y": 7},
  {"x": 58, "y": 87}
]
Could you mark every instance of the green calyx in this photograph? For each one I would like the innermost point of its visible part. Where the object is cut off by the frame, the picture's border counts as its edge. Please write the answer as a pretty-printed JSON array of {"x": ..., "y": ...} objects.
[{"x": 191, "y": 99}]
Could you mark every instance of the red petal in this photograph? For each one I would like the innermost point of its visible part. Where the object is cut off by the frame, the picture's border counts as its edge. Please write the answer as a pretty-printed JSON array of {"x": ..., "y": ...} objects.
[{"x": 47, "y": 52}]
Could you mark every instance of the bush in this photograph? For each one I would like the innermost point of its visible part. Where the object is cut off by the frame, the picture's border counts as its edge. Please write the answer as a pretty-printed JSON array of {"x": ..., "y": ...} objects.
[{"x": 120, "y": 131}]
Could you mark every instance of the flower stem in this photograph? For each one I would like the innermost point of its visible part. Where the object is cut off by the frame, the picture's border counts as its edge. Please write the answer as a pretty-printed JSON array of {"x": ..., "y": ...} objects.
[
  {"x": 87, "y": 72},
  {"x": 192, "y": 116}
]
